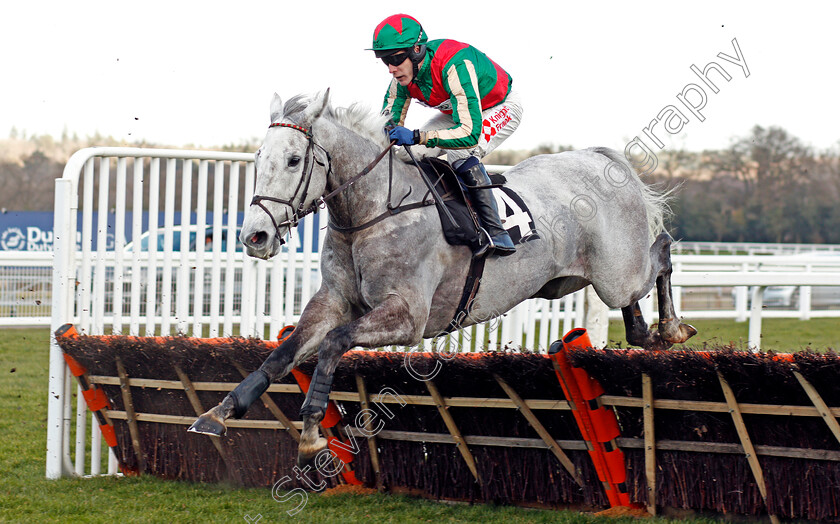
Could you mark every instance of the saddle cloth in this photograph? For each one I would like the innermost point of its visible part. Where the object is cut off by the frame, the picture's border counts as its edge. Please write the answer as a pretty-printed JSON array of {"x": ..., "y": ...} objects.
[{"x": 515, "y": 216}]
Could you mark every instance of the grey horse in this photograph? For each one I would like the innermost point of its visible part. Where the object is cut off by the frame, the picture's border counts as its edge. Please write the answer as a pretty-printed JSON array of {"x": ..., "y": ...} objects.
[{"x": 399, "y": 281}]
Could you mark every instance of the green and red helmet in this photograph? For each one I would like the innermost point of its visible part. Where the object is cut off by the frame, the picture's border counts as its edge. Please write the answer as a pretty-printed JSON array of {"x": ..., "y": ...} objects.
[{"x": 397, "y": 32}]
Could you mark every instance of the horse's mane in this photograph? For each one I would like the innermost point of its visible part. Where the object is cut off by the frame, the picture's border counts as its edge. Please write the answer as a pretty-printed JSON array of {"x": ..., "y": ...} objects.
[{"x": 357, "y": 118}]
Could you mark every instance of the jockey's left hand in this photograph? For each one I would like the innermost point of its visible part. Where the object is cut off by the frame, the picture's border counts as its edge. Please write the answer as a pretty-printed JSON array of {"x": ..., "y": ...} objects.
[{"x": 403, "y": 136}]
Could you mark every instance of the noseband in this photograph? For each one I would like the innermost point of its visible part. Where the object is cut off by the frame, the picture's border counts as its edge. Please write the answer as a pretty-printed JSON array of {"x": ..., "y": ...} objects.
[{"x": 301, "y": 211}]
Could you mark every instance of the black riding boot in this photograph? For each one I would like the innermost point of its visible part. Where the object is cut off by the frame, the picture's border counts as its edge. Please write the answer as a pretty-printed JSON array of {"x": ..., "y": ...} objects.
[{"x": 472, "y": 172}]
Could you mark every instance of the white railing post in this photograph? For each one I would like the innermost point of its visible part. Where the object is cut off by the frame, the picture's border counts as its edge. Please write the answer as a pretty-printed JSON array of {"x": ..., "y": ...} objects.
[
  {"x": 580, "y": 307},
  {"x": 530, "y": 324},
  {"x": 741, "y": 298},
  {"x": 182, "y": 296},
  {"x": 230, "y": 270},
  {"x": 119, "y": 245},
  {"x": 200, "y": 240},
  {"x": 568, "y": 313},
  {"x": 247, "y": 326},
  {"x": 136, "y": 232},
  {"x": 676, "y": 291},
  {"x": 64, "y": 241},
  {"x": 555, "y": 321},
  {"x": 805, "y": 298},
  {"x": 517, "y": 316},
  {"x": 152, "y": 296},
  {"x": 291, "y": 263},
  {"x": 216, "y": 267},
  {"x": 596, "y": 318},
  {"x": 754, "y": 338},
  {"x": 646, "y": 305},
  {"x": 98, "y": 297},
  {"x": 81, "y": 425},
  {"x": 168, "y": 239}
]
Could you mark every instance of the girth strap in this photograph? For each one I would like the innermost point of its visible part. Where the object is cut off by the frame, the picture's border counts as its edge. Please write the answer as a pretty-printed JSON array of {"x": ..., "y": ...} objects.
[{"x": 469, "y": 293}]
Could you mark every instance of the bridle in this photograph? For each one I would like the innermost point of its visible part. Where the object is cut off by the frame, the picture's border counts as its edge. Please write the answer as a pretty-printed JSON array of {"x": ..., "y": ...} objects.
[
  {"x": 300, "y": 211},
  {"x": 309, "y": 160}
]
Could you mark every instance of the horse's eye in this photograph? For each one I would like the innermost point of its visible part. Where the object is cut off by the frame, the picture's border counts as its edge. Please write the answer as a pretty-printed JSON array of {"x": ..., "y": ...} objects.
[{"x": 294, "y": 161}]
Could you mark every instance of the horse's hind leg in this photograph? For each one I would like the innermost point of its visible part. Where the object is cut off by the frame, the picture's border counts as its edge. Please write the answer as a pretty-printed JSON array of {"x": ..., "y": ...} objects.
[
  {"x": 670, "y": 330},
  {"x": 636, "y": 329},
  {"x": 670, "y": 327}
]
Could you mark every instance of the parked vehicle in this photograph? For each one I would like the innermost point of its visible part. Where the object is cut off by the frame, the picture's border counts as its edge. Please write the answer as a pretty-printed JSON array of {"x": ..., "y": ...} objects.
[
  {"x": 193, "y": 239},
  {"x": 789, "y": 296}
]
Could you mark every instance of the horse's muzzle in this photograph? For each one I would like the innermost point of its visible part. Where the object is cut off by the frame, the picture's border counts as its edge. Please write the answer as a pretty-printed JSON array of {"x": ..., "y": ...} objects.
[{"x": 261, "y": 244}]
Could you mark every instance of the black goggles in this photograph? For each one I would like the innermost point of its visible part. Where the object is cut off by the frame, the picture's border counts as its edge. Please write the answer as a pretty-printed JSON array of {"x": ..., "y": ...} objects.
[{"x": 395, "y": 59}]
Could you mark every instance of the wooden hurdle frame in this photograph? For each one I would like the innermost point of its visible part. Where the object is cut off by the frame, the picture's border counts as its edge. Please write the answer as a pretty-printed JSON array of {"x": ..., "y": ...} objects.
[{"x": 593, "y": 411}]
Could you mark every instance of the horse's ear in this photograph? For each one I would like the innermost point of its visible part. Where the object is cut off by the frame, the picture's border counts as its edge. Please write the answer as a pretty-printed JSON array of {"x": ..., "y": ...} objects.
[
  {"x": 276, "y": 108},
  {"x": 316, "y": 108}
]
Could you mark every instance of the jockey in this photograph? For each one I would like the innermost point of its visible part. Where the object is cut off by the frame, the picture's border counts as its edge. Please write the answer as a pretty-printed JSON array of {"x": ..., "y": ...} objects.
[{"x": 478, "y": 108}]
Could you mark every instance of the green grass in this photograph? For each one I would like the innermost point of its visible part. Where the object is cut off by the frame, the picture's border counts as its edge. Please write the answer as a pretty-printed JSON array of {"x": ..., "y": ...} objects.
[
  {"x": 27, "y": 496},
  {"x": 778, "y": 334}
]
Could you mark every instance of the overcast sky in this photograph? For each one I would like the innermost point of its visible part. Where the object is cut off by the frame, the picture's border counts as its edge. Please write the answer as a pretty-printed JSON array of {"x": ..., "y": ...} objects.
[{"x": 590, "y": 73}]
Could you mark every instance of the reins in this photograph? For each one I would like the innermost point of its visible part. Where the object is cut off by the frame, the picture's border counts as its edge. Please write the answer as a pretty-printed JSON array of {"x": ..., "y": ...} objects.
[
  {"x": 391, "y": 209},
  {"x": 300, "y": 212}
]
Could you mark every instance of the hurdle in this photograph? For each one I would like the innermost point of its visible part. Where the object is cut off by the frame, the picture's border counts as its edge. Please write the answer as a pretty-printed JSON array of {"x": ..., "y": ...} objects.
[{"x": 718, "y": 431}]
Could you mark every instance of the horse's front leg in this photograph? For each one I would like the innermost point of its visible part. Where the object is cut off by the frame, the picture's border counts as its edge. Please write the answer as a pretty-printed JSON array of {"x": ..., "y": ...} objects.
[
  {"x": 392, "y": 322},
  {"x": 323, "y": 313}
]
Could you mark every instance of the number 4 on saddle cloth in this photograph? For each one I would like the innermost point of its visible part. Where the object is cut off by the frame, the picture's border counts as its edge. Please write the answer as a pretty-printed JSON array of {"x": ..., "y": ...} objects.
[{"x": 514, "y": 214}]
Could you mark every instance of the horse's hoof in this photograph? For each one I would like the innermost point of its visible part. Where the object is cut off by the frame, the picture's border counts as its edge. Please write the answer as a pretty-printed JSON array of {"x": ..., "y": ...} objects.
[
  {"x": 649, "y": 340},
  {"x": 306, "y": 454},
  {"x": 208, "y": 424},
  {"x": 676, "y": 332},
  {"x": 304, "y": 461},
  {"x": 688, "y": 331},
  {"x": 659, "y": 344},
  {"x": 652, "y": 341}
]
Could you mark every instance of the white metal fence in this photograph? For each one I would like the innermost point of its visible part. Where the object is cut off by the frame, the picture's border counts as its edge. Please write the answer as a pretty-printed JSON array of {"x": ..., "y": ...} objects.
[
  {"x": 160, "y": 291},
  {"x": 211, "y": 289},
  {"x": 25, "y": 288},
  {"x": 751, "y": 248}
]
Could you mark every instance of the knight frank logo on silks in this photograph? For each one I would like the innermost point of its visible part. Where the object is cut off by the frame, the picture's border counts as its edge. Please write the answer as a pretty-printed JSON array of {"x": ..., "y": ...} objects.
[{"x": 495, "y": 122}]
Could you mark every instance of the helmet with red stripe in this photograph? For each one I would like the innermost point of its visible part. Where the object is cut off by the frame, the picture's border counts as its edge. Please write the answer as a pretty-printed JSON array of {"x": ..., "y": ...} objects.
[{"x": 395, "y": 33}]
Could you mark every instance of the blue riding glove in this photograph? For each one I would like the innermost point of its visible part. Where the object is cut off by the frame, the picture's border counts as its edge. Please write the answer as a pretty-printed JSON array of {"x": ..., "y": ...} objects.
[{"x": 404, "y": 136}]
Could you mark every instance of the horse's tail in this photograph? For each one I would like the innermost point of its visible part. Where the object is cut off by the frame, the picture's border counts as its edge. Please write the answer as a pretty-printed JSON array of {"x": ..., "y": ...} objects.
[{"x": 657, "y": 205}]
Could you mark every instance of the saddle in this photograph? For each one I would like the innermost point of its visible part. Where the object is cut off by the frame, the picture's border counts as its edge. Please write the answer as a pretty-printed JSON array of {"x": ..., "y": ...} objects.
[{"x": 514, "y": 214}]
